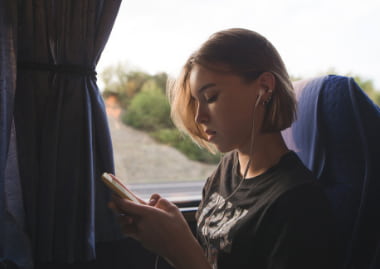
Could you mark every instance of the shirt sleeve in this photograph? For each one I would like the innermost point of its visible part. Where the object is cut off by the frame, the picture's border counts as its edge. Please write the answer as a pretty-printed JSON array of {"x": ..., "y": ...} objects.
[{"x": 303, "y": 231}]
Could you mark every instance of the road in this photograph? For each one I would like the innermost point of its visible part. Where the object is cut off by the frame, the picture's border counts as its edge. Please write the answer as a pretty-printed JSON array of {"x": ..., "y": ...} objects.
[{"x": 175, "y": 191}]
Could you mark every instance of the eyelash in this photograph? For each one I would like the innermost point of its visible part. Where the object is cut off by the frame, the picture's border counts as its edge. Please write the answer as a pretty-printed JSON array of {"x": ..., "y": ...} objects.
[{"x": 212, "y": 99}]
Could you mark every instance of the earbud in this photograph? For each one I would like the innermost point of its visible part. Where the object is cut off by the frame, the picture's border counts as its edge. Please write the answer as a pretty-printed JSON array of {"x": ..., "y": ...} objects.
[{"x": 261, "y": 93}]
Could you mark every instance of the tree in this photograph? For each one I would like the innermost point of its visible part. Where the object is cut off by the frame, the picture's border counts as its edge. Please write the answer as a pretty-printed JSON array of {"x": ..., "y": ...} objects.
[
  {"x": 143, "y": 99},
  {"x": 123, "y": 82},
  {"x": 161, "y": 80},
  {"x": 368, "y": 87},
  {"x": 149, "y": 110}
]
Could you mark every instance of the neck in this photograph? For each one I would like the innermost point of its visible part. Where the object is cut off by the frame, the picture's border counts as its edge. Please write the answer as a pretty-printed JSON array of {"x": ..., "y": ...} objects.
[{"x": 268, "y": 150}]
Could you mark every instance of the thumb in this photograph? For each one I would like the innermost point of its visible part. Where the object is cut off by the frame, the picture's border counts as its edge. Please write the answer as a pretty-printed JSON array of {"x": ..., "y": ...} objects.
[
  {"x": 165, "y": 205},
  {"x": 153, "y": 199}
]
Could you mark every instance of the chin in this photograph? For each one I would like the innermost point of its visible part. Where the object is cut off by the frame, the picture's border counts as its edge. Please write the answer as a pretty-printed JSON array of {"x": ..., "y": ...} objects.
[{"x": 224, "y": 148}]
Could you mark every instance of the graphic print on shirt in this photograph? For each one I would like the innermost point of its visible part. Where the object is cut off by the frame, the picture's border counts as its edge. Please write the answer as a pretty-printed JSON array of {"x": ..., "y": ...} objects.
[{"x": 216, "y": 220}]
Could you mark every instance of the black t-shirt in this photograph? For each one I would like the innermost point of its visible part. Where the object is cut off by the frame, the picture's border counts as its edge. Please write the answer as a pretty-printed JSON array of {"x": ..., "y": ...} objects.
[{"x": 277, "y": 220}]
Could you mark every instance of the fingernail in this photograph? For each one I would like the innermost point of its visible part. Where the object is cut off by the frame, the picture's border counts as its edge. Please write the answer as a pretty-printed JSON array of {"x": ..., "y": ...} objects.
[{"x": 152, "y": 201}]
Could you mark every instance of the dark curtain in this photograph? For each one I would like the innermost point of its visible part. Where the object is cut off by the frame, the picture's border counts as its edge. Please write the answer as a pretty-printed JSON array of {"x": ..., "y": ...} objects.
[
  {"x": 7, "y": 84},
  {"x": 62, "y": 132},
  {"x": 14, "y": 243}
]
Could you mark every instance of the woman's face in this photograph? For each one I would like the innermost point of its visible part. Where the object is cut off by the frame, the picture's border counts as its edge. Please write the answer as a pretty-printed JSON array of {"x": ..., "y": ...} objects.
[{"x": 225, "y": 105}]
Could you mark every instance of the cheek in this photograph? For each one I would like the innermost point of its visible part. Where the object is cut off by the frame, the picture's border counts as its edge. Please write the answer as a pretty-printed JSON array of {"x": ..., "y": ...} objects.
[{"x": 236, "y": 122}]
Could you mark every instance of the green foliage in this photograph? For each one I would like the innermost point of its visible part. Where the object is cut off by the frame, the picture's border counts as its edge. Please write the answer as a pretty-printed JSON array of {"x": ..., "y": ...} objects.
[
  {"x": 142, "y": 97},
  {"x": 150, "y": 85},
  {"x": 368, "y": 87},
  {"x": 123, "y": 82},
  {"x": 161, "y": 80},
  {"x": 149, "y": 110},
  {"x": 184, "y": 144}
]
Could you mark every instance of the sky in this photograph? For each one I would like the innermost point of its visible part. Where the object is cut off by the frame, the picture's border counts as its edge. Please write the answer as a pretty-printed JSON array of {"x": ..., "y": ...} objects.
[{"x": 312, "y": 36}]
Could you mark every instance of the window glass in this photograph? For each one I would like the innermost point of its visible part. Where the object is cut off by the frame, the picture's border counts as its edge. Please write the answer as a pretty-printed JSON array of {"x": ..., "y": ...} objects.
[
  {"x": 150, "y": 155},
  {"x": 152, "y": 39}
]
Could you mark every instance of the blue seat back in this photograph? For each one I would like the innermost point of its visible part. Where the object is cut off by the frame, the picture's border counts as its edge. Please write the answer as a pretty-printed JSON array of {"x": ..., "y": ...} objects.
[{"x": 337, "y": 136}]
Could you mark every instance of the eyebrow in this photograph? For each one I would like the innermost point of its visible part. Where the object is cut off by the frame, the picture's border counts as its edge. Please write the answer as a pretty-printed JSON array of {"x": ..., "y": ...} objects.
[{"x": 205, "y": 87}]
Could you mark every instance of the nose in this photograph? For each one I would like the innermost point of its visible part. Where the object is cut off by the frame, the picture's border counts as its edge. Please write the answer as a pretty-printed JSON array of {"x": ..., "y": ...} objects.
[{"x": 201, "y": 115}]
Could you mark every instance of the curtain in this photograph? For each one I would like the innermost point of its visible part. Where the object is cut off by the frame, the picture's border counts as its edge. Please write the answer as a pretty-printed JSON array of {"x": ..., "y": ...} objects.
[
  {"x": 61, "y": 128},
  {"x": 14, "y": 243}
]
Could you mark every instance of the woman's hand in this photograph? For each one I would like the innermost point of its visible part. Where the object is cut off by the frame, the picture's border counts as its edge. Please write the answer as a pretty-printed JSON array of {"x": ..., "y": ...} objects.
[{"x": 161, "y": 228}]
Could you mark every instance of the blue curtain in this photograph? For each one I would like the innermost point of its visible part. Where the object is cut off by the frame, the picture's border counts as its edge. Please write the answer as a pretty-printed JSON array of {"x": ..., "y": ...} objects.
[
  {"x": 14, "y": 243},
  {"x": 7, "y": 84},
  {"x": 61, "y": 128}
]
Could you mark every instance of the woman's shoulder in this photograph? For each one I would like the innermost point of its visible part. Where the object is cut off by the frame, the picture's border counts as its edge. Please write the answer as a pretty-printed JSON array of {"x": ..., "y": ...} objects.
[
  {"x": 228, "y": 158},
  {"x": 290, "y": 173},
  {"x": 290, "y": 164},
  {"x": 224, "y": 169},
  {"x": 303, "y": 188},
  {"x": 226, "y": 164},
  {"x": 304, "y": 199},
  {"x": 291, "y": 186}
]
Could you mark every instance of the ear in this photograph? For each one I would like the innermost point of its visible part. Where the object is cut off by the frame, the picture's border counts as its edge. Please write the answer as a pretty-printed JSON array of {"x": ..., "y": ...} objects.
[{"x": 267, "y": 83}]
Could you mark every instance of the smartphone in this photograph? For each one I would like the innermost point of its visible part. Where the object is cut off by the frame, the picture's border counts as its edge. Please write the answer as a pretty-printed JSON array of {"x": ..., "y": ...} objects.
[{"x": 118, "y": 187}]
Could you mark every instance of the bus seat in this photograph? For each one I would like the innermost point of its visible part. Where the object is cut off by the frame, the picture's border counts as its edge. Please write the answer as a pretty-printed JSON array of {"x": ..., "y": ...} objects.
[{"x": 337, "y": 136}]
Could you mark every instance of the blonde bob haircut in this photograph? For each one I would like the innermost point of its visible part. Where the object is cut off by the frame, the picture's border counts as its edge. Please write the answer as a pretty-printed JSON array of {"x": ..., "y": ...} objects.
[{"x": 244, "y": 53}]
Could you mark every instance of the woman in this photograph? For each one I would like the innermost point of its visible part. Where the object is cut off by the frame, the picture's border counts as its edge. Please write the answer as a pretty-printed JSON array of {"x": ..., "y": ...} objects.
[{"x": 261, "y": 208}]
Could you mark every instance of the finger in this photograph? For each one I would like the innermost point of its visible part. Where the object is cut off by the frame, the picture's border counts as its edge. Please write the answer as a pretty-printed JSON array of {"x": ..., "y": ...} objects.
[
  {"x": 153, "y": 199},
  {"x": 112, "y": 205},
  {"x": 166, "y": 205},
  {"x": 131, "y": 208},
  {"x": 125, "y": 219},
  {"x": 130, "y": 230},
  {"x": 116, "y": 210}
]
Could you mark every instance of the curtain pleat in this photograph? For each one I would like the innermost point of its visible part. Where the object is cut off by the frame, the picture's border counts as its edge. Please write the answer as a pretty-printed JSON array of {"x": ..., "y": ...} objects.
[
  {"x": 62, "y": 132},
  {"x": 14, "y": 243}
]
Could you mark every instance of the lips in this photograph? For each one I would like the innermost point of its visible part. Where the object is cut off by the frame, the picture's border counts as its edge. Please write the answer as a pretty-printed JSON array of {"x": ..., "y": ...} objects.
[{"x": 210, "y": 134}]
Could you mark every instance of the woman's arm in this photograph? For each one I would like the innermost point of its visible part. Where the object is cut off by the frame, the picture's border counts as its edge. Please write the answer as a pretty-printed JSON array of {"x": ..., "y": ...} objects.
[{"x": 161, "y": 228}]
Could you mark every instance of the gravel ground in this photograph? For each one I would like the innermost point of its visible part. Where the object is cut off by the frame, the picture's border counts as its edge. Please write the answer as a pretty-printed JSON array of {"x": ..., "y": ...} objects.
[{"x": 138, "y": 158}]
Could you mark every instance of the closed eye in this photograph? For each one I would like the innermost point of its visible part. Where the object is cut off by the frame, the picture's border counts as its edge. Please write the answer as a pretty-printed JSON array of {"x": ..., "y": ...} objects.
[{"x": 212, "y": 99}]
